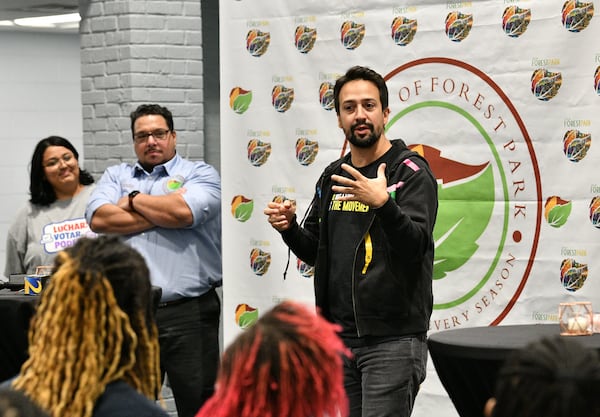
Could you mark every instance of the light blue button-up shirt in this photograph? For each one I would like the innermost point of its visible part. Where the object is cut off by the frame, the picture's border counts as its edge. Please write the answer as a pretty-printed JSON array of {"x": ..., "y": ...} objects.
[{"x": 184, "y": 262}]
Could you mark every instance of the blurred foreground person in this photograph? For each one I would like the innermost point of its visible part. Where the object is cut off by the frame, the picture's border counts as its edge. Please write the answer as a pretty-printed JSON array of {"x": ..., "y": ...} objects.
[
  {"x": 93, "y": 346},
  {"x": 288, "y": 364},
  {"x": 16, "y": 404},
  {"x": 553, "y": 377}
]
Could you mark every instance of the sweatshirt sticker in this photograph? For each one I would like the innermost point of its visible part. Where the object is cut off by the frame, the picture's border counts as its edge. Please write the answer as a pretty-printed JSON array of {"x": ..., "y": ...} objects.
[
  {"x": 411, "y": 165},
  {"x": 58, "y": 236},
  {"x": 392, "y": 188},
  {"x": 172, "y": 184}
]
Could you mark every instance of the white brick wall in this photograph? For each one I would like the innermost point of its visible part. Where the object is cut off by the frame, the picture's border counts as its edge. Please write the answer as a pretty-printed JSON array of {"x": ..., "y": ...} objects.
[{"x": 134, "y": 53}]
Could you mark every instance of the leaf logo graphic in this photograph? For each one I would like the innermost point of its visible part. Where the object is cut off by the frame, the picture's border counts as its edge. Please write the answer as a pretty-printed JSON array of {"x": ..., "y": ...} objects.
[
  {"x": 576, "y": 145},
  {"x": 352, "y": 34},
  {"x": 573, "y": 274},
  {"x": 173, "y": 183},
  {"x": 490, "y": 206},
  {"x": 240, "y": 99},
  {"x": 545, "y": 84},
  {"x": 595, "y": 212},
  {"x": 466, "y": 201},
  {"x": 241, "y": 208},
  {"x": 259, "y": 261},
  {"x": 557, "y": 211},
  {"x": 258, "y": 152},
  {"x": 257, "y": 42},
  {"x": 515, "y": 21},
  {"x": 458, "y": 26},
  {"x": 306, "y": 151},
  {"x": 403, "y": 30},
  {"x": 576, "y": 15},
  {"x": 326, "y": 96},
  {"x": 305, "y": 39},
  {"x": 279, "y": 199},
  {"x": 245, "y": 316},
  {"x": 282, "y": 98}
]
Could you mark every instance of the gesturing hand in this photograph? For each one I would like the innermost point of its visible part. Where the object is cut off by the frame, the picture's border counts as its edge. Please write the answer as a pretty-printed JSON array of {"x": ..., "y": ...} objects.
[
  {"x": 280, "y": 215},
  {"x": 369, "y": 191}
]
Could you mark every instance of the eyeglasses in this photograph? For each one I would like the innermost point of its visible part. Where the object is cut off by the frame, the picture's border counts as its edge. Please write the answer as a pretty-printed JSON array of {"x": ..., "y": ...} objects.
[
  {"x": 53, "y": 162},
  {"x": 158, "y": 134}
]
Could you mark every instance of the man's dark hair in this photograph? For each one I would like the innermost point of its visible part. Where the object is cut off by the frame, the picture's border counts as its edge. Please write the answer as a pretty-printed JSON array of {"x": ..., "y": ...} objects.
[
  {"x": 40, "y": 189},
  {"x": 361, "y": 73},
  {"x": 554, "y": 377},
  {"x": 147, "y": 109}
]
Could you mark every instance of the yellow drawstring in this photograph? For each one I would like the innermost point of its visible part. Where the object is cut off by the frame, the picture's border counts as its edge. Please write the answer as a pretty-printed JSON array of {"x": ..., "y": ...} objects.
[{"x": 368, "y": 252}]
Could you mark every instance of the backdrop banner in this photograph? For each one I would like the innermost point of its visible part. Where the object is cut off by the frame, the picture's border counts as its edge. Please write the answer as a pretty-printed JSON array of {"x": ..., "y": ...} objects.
[{"x": 501, "y": 97}]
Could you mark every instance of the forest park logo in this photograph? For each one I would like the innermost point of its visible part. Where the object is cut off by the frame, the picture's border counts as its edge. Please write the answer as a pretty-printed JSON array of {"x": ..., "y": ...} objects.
[{"x": 490, "y": 206}]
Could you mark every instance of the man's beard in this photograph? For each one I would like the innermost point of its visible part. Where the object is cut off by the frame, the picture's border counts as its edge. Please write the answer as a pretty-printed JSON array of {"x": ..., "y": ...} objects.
[{"x": 365, "y": 142}]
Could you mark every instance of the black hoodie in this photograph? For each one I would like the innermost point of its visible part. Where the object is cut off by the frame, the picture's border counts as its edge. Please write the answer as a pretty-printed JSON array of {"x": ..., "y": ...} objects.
[{"x": 391, "y": 283}]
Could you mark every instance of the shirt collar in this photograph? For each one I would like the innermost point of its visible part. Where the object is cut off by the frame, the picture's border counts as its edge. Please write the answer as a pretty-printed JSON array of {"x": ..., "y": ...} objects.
[{"x": 162, "y": 169}]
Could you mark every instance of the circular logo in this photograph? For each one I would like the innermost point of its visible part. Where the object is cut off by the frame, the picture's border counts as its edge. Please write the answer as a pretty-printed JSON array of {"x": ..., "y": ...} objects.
[{"x": 490, "y": 204}]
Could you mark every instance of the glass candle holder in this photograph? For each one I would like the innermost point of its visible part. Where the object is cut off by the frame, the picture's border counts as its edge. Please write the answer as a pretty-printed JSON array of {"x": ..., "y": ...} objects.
[{"x": 576, "y": 318}]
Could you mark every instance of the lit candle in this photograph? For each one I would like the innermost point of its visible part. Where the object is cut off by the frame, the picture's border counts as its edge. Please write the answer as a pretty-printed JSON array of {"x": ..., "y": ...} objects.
[{"x": 578, "y": 324}]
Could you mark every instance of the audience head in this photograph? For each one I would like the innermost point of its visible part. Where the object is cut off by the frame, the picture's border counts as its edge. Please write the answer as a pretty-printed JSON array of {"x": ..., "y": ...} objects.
[
  {"x": 288, "y": 364},
  {"x": 42, "y": 184},
  {"x": 94, "y": 325},
  {"x": 553, "y": 377},
  {"x": 361, "y": 73},
  {"x": 16, "y": 404}
]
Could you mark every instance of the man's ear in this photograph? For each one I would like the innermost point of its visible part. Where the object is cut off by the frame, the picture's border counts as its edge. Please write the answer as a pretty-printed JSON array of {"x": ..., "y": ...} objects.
[
  {"x": 386, "y": 113},
  {"x": 488, "y": 409}
]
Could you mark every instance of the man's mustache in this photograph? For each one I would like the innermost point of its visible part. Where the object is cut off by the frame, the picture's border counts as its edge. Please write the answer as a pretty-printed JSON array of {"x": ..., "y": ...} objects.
[{"x": 357, "y": 125}]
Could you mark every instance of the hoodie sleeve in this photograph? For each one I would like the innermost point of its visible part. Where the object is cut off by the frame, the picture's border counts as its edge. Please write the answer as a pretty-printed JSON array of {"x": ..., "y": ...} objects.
[
  {"x": 408, "y": 217},
  {"x": 303, "y": 239}
]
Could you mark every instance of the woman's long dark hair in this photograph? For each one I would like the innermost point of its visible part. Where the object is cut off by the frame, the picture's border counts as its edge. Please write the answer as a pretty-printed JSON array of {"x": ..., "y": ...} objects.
[{"x": 40, "y": 189}]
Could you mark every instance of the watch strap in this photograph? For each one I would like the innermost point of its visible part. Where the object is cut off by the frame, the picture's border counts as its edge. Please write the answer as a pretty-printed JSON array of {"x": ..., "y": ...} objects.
[{"x": 131, "y": 196}]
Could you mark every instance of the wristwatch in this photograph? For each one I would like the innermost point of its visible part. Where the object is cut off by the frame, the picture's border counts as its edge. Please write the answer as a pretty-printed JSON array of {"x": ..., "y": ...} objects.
[{"x": 131, "y": 196}]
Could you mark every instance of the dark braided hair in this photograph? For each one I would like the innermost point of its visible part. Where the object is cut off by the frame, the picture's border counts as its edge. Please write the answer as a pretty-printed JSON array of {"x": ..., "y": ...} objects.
[
  {"x": 94, "y": 325},
  {"x": 553, "y": 377},
  {"x": 288, "y": 364}
]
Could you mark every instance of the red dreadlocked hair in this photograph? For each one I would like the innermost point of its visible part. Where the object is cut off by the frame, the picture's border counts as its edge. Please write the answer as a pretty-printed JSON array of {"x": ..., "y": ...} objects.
[{"x": 288, "y": 364}]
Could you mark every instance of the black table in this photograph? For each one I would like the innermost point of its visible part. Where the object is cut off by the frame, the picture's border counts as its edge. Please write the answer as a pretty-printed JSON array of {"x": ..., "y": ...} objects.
[
  {"x": 467, "y": 360},
  {"x": 16, "y": 310}
]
